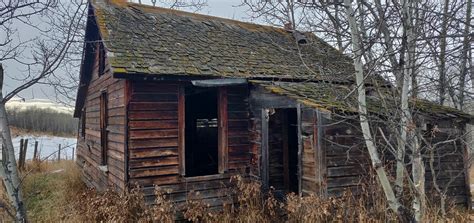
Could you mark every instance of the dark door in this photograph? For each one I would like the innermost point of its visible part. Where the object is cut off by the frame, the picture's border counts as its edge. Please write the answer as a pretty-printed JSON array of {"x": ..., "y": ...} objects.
[{"x": 282, "y": 151}]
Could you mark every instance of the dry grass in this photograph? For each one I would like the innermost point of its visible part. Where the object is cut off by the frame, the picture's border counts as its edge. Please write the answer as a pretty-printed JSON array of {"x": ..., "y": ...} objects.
[
  {"x": 52, "y": 196},
  {"x": 49, "y": 190}
]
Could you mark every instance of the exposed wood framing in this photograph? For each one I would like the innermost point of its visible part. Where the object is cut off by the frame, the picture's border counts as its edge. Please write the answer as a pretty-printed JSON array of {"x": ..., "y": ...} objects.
[
  {"x": 320, "y": 152},
  {"x": 219, "y": 82},
  {"x": 128, "y": 93},
  {"x": 103, "y": 127},
  {"x": 181, "y": 131},
  {"x": 223, "y": 128},
  {"x": 300, "y": 150},
  {"x": 264, "y": 149}
]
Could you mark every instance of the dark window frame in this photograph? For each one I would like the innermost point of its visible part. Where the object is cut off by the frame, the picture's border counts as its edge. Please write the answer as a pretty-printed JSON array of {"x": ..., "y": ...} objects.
[
  {"x": 103, "y": 128},
  {"x": 222, "y": 150},
  {"x": 101, "y": 58},
  {"x": 83, "y": 123}
]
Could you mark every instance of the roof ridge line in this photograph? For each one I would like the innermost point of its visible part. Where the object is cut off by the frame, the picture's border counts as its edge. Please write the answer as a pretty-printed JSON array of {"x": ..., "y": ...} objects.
[{"x": 202, "y": 16}]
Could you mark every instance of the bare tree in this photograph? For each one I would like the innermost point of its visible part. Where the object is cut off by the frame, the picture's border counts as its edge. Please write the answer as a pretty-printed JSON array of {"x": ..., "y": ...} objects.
[
  {"x": 58, "y": 25},
  {"x": 442, "y": 54},
  {"x": 363, "y": 114},
  {"x": 466, "y": 51},
  {"x": 401, "y": 41}
]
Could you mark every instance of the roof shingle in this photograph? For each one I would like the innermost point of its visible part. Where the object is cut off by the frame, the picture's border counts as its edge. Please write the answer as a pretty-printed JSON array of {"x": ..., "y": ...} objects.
[
  {"x": 151, "y": 40},
  {"x": 343, "y": 99}
]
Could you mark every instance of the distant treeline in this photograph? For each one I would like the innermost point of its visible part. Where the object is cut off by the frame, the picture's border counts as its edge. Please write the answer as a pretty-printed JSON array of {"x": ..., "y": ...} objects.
[{"x": 42, "y": 120}]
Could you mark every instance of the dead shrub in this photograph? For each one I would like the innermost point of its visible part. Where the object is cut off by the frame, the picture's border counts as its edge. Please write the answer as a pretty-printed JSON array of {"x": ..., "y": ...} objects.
[
  {"x": 163, "y": 210},
  {"x": 366, "y": 203},
  {"x": 53, "y": 196},
  {"x": 127, "y": 206},
  {"x": 198, "y": 211},
  {"x": 248, "y": 204},
  {"x": 111, "y": 206}
]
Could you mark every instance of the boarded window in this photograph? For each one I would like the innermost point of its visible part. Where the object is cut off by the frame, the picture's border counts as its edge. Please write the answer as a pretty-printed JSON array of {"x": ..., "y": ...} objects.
[
  {"x": 103, "y": 128},
  {"x": 202, "y": 132},
  {"x": 101, "y": 59}
]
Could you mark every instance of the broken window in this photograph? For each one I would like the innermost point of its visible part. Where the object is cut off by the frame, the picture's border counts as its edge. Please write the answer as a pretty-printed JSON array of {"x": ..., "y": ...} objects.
[
  {"x": 103, "y": 128},
  {"x": 201, "y": 131}
]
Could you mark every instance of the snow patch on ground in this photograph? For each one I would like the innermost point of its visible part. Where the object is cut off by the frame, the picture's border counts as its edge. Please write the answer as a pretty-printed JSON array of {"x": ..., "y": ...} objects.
[{"x": 47, "y": 146}]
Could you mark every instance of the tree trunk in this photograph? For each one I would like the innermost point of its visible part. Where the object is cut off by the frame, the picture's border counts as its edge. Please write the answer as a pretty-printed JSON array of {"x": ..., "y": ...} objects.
[
  {"x": 442, "y": 54},
  {"x": 418, "y": 173},
  {"x": 408, "y": 124},
  {"x": 338, "y": 29},
  {"x": 465, "y": 51},
  {"x": 388, "y": 42},
  {"x": 364, "y": 123},
  {"x": 9, "y": 170}
]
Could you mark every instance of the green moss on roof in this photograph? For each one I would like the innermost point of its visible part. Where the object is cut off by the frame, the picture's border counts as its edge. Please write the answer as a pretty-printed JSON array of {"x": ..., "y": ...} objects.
[
  {"x": 152, "y": 40},
  {"x": 343, "y": 99}
]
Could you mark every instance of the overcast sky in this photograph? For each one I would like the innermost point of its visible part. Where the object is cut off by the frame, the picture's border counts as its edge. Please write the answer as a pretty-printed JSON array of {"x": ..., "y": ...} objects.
[{"x": 222, "y": 8}]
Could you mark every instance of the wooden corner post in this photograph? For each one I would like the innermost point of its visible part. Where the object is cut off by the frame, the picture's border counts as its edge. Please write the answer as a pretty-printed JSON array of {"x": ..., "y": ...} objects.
[
  {"x": 300, "y": 150},
  {"x": 264, "y": 148},
  {"x": 222, "y": 137},
  {"x": 181, "y": 130}
]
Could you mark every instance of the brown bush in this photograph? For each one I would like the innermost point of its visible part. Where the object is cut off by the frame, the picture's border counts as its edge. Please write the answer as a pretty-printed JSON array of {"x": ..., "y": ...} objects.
[
  {"x": 53, "y": 196},
  {"x": 252, "y": 205},
  {"x": 110, "y": 206}
]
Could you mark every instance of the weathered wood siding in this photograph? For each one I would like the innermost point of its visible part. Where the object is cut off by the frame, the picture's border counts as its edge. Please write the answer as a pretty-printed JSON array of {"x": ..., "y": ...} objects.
[
  {"x": 445, "y": 145},
  {"x": 89, "y": 147},
  {"x": 153, "y": 133},
  {"x": 154, "y": 142},
  {"x": 238, "y": 138},
  {"x": 313, "y": 152},
  {"x": 259, "y": 100},
  {"x": 347, "y": 160},
  {"x": 348, "y": 163},
  {"x": 335, "y": 158}
]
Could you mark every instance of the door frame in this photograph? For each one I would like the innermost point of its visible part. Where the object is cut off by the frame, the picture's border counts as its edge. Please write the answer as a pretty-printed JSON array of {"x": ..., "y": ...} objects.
[{"x": 264, "y": 142}]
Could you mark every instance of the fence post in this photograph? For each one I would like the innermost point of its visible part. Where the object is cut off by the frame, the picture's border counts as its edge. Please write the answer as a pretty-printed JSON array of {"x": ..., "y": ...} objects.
[
  {"x": 25, "y": 148},
  {"x": 20, "y": 157},
  {"x": 35, "y": 152},
  {"x": 59, "y": 152},
  {"x": 73, "y": 149}
]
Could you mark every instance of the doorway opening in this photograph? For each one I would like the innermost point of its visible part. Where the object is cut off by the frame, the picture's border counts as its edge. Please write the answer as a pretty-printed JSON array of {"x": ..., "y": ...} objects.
[
  {"x": 283, "y": 150},
  {"x": 201, "y": 131}
]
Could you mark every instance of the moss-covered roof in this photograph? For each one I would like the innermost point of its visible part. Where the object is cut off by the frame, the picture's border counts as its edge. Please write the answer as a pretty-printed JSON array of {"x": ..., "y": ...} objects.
[
  {"x": 147, "y": 40},
  {"x": 157, "y": 41},
  {"x": 343, "y": 99}
]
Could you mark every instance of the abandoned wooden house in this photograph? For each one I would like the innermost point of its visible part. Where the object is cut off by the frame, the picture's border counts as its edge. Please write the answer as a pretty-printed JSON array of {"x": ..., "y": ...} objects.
[{"x": 185, "y": 101}]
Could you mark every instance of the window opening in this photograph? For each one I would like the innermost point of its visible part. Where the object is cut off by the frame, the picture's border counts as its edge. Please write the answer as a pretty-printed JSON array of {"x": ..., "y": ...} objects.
[
  {"x": 103, "y": 128},
  {"x": 101, "y": 59},
  {"x": 83, "y": 123},
  {"x": 201, "y": 131}
]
